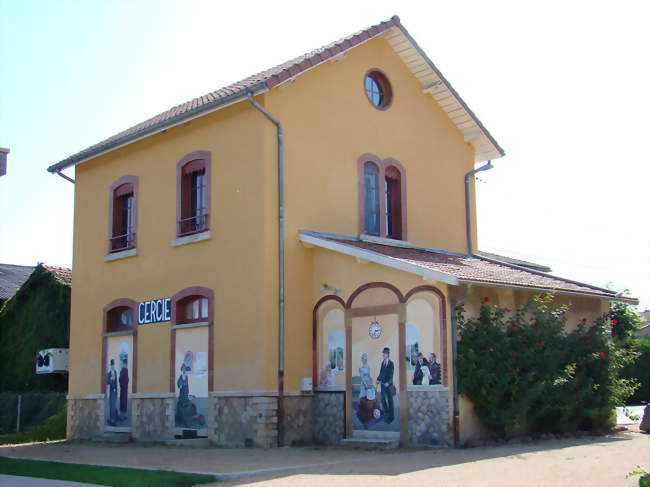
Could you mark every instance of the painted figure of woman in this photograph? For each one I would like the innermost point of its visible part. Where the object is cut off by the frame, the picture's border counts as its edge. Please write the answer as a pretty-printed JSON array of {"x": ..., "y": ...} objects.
[{"x": 364, "y": 374}]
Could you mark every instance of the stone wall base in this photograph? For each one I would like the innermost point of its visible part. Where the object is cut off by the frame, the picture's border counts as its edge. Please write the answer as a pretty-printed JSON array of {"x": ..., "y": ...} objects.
[
  {"x": 243, "y": 421},
  {"x": 428, "y": 416},
  {"x": 85, "y": 418},
  {"x": 152, "y": 419},
  {"x": 328, "y": 417}
]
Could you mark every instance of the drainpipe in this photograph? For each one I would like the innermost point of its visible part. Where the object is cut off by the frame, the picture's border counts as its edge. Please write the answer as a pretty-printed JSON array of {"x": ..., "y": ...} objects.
[
  {"x": 59, "y": 173},
  {"x": 280, "y": 137},
  {"x": 454, "y": 354},
  {"x": 468, "y": 215}
]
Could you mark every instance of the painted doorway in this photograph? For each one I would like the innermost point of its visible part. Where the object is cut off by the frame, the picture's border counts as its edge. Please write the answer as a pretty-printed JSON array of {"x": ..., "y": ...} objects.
[
  {"x": 191, "y": 385},
  {"x": 119, "y": 382},
  {"x": 375, "y": 391}
]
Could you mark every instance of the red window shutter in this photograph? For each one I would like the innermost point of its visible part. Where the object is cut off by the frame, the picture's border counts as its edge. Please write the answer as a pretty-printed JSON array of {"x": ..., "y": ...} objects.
[{"x": 393, "y": 203}]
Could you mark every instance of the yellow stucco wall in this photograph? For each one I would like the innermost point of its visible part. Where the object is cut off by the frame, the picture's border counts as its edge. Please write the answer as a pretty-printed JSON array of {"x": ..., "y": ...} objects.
[
  {"x": 328, "y": 124},
  {"x": 235, "y": 262}
]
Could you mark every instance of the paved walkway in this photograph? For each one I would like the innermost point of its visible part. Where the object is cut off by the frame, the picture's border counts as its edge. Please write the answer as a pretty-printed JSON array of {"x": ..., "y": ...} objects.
[
  {"x": 16, "y": 481},
  {"x": 573, "y": 462}
]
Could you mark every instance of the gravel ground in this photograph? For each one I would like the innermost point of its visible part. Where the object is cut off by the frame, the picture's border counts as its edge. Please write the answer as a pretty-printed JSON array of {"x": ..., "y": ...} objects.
[{"x": 586, "y": 461}]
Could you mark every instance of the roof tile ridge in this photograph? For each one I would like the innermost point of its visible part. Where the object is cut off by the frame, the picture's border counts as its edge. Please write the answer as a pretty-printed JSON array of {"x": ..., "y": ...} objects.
[{"x": 545, "y": 274}]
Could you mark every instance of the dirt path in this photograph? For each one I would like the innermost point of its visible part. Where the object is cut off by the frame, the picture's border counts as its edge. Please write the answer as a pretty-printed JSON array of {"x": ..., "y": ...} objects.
[{"x": 588, "y": 461}]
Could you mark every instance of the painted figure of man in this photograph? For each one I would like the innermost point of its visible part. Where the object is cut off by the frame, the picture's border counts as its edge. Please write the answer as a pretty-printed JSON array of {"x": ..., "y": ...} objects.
[
  {"x": 111, "y": 383},
  {"x": 124, "y": 388},
  {"x": 419, "y": 373},
  {"x": 434, "y": 369},
  {"x": 386, "y": 380}
]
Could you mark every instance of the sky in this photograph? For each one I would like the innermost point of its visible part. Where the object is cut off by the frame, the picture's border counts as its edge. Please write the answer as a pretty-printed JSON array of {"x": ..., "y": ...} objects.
[{"x": 563, "y": 86}]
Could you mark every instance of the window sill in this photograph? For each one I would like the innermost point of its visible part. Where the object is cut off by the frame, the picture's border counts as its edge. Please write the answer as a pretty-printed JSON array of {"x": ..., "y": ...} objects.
[
  {"x": 188, "y": 239},
  {"x": 122, "y": 254},
  {"x": 191, "y": 325},
  {"x": 384, "y": 241}
]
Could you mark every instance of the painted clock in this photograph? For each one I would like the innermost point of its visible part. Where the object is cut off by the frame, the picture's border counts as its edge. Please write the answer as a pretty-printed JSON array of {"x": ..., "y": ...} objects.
[{"x": 374, "y": 330}]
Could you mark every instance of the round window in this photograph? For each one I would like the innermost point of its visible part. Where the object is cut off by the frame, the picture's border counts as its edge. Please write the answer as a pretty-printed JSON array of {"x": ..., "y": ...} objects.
[{"x": 378, "y": 89}]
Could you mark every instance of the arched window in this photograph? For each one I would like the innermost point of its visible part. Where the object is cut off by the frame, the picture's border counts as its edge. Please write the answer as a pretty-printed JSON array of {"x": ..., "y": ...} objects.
[
  {"x": 119, "y": 319},
  {"x": 122, "y": 219},
  {"x": 382, "y": 201},
  {"x": 193, "y": 188},
  {"x": 193, "y": 308},
  {"x": 371, "y": 198}
]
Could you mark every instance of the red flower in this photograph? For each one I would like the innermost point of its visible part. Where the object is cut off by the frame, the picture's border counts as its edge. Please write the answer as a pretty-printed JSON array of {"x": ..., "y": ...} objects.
[
  {"x": 508, "y": 310},
  {"x": 486, "y": 299},
  {"x": 584, "y": 320},
  {"x": 601, "y": 354},
  {"x": 511, "y": 371},
  {"x": 541, "y": 344},
  {"x": 536, "y": 325},
  {"x": 542, "y": 295},
  {"x": 514, "y": 326},
  {"x": 614, "y": 322}
]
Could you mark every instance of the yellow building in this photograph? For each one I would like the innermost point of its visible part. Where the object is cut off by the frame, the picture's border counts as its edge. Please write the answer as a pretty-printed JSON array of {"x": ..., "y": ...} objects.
[{"x": 263, "y": 264}]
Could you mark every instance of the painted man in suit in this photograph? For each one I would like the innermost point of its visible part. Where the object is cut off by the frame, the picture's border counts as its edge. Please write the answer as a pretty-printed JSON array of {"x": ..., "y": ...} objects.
[
  {"x": 386, "y": 380},
  {"x": 111, "y": 383}
]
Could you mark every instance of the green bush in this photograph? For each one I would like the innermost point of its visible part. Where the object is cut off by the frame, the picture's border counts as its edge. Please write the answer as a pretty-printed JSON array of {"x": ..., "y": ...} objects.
[
  {"x": 523, "y": 372},
  {"x": 53, "y": 428}
]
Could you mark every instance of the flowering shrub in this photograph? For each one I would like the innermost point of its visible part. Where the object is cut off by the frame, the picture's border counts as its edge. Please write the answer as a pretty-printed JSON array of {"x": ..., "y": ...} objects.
[{"x": 523, "y": 371}]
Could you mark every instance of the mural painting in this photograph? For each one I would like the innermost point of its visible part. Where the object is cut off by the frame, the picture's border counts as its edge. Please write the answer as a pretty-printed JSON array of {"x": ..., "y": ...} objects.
[
  {"x": 118, "y": 381},
  {"x": 375, "y": 379},
  {"x": 331, "y": 355},
  {"x": 191, "y": 366},
  {"x": 422, "y": 342}
]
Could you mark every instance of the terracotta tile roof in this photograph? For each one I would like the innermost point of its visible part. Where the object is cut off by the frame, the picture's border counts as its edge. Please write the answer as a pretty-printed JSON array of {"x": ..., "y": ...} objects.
[
  {"x": 265, "y": 79},
  {"x": 477, "y": 269},
  {"x": 63, "y": 274},
  {"x": 12, "y": 277}
]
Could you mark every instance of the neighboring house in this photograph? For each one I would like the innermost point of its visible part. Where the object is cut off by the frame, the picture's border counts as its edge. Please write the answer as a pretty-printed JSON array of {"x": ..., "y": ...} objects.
[
  {"x": 11, "y": 278},
  {"x": 3, "y": 160},
  {"x": 645, "y": 330},
  {"x": 221, "y": 265},
  {"x": 36, "y": 317}
]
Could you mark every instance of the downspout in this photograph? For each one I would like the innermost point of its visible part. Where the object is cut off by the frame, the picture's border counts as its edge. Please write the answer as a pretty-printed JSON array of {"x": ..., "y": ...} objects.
[
  {"x": 468, "y": 215},
  {"x": 454, "y": 355},
  {"x": 280, "y": 143},
  {"x": 67, "y": 178}
]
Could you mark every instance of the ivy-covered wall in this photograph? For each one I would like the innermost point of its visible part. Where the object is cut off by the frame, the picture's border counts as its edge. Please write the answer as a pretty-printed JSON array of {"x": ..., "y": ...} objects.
[{"x": 36, "y": 317}]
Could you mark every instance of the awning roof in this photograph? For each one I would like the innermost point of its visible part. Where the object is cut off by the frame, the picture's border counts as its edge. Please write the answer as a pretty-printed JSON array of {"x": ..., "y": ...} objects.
[{"x": 454, "y": 268}]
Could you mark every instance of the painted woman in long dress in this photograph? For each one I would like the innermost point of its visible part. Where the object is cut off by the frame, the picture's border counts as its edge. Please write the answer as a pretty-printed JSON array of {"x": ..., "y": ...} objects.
[{"x": 366, "y": 378}]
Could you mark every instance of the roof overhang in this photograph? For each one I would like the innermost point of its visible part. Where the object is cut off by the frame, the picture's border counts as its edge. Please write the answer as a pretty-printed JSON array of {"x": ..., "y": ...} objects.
[
  {"x": 434, "y": 83},
  {"x": 314, "y": 239},
  {"x": 431, "y": 81},
  {"x": 377, "y": 258}
]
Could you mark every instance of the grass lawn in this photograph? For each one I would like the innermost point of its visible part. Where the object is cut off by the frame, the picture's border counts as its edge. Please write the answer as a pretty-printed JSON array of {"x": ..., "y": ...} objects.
[{"x": 114, "y": 476}]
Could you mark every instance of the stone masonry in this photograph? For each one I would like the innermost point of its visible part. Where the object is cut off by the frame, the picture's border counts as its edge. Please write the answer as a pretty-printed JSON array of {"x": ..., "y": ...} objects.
[
  {"x": 428, "y": 416},
  {"x": 329, "y": 419},
  {"x": 153, "y": 418},
  {"x": 298, "y": 420},
  {"x": 243, "y": 421},
  {"x": 85, "y": 417}
]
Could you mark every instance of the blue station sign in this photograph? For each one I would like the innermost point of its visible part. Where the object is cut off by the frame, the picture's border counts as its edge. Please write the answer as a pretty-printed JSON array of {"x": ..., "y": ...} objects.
[{"x": 154, "y": 311}]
